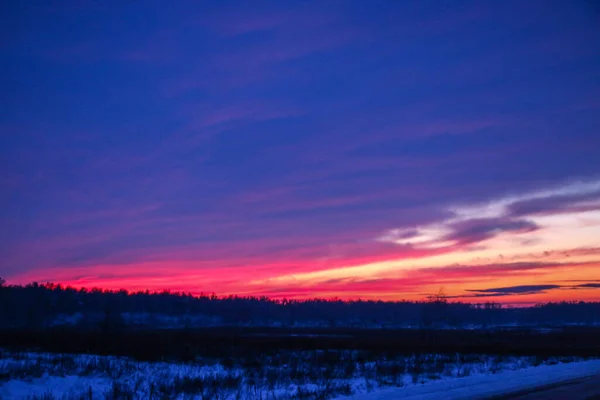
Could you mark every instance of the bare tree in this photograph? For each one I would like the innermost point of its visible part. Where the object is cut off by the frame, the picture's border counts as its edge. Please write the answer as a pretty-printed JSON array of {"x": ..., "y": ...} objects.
[
  {"x": 436, "y": 309},
  {"x": 439, "y": 297}
]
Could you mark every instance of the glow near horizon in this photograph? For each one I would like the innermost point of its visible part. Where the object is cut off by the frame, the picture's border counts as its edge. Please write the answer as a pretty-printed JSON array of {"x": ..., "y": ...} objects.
[{"x": 559, "y": 232}]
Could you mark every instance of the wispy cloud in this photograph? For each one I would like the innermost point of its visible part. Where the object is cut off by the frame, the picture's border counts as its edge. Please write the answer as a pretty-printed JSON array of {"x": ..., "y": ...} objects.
[
  {"x": 522, "y": 290},
  {"x": 589, "y": 201},
  {"x": 511, "y": 215},
  {"x": 587, "y": 286},
  {"x": 477, "y": 230},
  {"x": 512, "y": 290},
  {"x": 331, "y": 146}
]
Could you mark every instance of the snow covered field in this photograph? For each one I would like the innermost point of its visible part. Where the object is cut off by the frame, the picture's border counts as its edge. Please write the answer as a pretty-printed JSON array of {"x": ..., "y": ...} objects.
[{"x": 292, "y": 375}]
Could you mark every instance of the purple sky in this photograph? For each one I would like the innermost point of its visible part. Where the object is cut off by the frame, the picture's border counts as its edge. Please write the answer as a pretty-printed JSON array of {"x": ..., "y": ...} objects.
[{"x": 146, "y": 140}]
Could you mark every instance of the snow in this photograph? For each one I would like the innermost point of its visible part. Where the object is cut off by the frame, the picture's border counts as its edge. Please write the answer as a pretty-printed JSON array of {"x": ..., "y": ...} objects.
[
  {"x": 59, "y": 386},
  {"x": 73, "y": 376},
  {"x": 486, "y": 385}
]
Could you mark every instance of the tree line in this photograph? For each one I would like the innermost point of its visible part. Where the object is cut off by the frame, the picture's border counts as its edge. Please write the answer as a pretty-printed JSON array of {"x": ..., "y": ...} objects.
[{"x": 44, "y": 306}]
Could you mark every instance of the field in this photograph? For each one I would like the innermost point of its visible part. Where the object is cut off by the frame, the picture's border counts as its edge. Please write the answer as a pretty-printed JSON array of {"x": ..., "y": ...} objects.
[
  {"x": 241, "y": 342},
  {"x": 288, "y": 375},
  {"x": 267, "y": 363},
  {"x": 62, "y": 343}
]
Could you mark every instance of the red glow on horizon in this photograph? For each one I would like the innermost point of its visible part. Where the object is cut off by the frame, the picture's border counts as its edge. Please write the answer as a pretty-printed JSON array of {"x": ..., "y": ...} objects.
[{"x": 417, "y": 286}]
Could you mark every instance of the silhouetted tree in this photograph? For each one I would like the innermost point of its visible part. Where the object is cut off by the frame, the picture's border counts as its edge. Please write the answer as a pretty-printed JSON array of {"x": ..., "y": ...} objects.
[
  {"x": 436, "y": 310},
  {"x": 36, "y": 306}
]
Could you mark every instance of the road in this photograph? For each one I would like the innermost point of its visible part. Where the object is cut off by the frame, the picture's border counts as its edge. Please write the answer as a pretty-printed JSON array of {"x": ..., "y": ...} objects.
[
  {"x": 587, "y": 388},
  {"x": 570, "y": 381}
]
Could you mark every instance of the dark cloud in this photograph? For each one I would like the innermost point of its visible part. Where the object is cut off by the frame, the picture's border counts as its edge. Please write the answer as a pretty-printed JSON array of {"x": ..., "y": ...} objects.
[
  {"x": 526, "y": 289},
  {"x": 479, "y": 229},
  {"x": 554, "y": 204},
  {"x": 521, "y": 289},
  {"x": 588, "y": 286}
]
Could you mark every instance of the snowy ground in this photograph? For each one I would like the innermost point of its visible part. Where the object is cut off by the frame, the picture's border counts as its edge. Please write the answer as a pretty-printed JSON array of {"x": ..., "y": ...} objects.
[{"x": 292, "y": 375}]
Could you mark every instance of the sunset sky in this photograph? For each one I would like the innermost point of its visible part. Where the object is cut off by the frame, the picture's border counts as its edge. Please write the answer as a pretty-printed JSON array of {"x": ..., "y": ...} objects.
[{"x": 298, "y": 149}]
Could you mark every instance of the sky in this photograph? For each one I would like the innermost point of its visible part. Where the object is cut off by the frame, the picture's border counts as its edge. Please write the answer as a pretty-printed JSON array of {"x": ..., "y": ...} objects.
[{"x": 297, "y": 149}]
